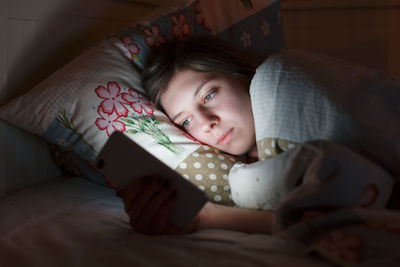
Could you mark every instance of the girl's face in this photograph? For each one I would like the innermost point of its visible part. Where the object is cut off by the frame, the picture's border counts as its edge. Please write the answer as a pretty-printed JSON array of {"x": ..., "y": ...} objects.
[{"x": 213, "y": 108}]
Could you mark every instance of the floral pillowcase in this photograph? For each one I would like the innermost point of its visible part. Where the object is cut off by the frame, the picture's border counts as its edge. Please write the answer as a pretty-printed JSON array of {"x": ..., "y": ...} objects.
[
  {"x": 254, "y": 27},
  {"x": 78, "y": 107}
]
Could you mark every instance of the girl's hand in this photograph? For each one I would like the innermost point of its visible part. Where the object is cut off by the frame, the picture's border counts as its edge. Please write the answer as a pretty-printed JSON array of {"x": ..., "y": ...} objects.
[{"x": 148, "y": 202}]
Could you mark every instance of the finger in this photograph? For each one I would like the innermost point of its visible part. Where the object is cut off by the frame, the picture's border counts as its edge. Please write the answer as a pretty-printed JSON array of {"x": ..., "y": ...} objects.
[
  {"x": 154, "y": 205},
  {"x": 160, "y": 220},
  {"x": 139, "y": 205},
  {"x": 157, "y": 201},
  {"x": 133, "y": 190}
]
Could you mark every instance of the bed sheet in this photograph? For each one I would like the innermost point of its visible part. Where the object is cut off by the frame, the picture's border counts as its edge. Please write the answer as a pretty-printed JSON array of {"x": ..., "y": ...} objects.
[
  {"x": 20, "y": 148},
  {"x": 74, "y": 222}
]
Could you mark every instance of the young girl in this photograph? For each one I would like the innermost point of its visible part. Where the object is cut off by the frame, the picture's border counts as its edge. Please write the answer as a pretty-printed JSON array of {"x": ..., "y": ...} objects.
[{"x": 202, "y": 84}]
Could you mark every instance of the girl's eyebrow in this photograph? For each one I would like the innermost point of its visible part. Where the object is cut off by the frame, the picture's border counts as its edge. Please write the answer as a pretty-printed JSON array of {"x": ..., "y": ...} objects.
[
  {"x": 198, "y": 89},
  {"x": 176, "y": 116},
  {"x": 196, "y": 92}
]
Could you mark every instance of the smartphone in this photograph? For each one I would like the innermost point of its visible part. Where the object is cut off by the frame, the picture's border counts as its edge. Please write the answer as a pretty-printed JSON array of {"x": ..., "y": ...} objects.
[{"x": 121, "y": 160}]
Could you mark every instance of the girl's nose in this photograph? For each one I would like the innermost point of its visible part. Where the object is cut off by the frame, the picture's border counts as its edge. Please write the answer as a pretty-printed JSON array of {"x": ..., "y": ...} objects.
[{"x": 208, "y": 121}]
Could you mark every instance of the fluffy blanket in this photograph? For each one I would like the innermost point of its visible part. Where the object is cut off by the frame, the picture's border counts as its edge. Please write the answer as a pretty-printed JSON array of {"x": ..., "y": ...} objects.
[{"x": 330, "y": 196}]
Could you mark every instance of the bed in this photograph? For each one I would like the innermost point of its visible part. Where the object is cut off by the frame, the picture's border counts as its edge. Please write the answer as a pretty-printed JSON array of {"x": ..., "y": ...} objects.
[
  {"x": 57, "y": 210},
  {"x": 73, "y": 222}
]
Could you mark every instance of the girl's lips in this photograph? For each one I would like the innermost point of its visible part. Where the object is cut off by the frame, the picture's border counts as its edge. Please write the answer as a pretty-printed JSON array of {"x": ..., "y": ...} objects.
[{"x": 226, "y": 138}]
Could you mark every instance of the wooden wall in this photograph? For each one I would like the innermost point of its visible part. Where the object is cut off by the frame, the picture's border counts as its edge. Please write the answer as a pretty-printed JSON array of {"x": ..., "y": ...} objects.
[{"x": 364, "y": 31}]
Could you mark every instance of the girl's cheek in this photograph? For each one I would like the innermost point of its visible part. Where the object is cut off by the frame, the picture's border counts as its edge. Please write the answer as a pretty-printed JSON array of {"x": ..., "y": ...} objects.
[{"x": 198, "y": 136}]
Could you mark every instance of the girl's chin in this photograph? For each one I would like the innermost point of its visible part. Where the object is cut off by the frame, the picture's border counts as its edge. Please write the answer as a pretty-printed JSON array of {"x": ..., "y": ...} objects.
[
  {"x": 250, "y": 150},
  {"x": 238, "y": 151}
]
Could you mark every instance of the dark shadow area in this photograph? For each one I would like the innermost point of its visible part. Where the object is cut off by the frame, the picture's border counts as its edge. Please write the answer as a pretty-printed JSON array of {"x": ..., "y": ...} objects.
[{"x": 66, "y": 41}]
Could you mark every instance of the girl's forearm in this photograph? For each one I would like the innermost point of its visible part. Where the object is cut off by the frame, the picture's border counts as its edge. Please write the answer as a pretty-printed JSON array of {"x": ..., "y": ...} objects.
[{"x": 245, "y": 220}]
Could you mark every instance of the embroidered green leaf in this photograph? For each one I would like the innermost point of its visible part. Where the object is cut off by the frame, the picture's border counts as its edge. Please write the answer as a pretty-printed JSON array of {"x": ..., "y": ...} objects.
[
  {"x": 67, "y": 123},
  {"x": 135, "y": 57},
  {"x": 132, "y": 131},
  {"x": 148, "y": 125}
]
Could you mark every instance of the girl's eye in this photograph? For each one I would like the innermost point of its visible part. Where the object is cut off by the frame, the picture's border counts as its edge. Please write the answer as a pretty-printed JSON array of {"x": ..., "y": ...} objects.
[
  {"x": 209, "y": 96},
  {"x": 185, "y": 123}
]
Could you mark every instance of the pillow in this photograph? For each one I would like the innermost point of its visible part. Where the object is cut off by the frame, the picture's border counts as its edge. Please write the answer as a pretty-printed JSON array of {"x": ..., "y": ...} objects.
[
  {"x": 96, "y": 94},
  {"x": 79, "y": 106},
  {"x": 20, "y": 148},
  {"x": 254, "y": 27}
]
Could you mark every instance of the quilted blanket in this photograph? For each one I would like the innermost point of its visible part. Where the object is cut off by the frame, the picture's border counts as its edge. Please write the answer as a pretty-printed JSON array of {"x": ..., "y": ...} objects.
[{"x": 328, "y": 138}]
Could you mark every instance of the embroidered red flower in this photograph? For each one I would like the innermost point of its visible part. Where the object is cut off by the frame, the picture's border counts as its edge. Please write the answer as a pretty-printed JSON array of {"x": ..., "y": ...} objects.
[
  {"x": 153, "y": 37},
  {"x": 200, "y": 18},
  {"x": 246, "y": 39},
  {"x": 180, "y": 28},
  {"x": 138, "y": 102},
  {"x": 109, "y": 122},
  {"x": 130, "y": 47},
  {"x": 113, "y": 100}
]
